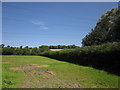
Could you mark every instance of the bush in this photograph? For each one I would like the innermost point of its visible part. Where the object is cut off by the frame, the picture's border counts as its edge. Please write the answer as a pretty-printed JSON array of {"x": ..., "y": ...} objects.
[
  {"x": 7, "y": 51},
  {"x": 103, "y": 56}
]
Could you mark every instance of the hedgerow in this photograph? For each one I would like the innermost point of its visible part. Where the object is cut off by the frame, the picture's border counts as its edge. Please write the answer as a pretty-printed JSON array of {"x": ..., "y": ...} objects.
[{"x": 105, "y": 56}]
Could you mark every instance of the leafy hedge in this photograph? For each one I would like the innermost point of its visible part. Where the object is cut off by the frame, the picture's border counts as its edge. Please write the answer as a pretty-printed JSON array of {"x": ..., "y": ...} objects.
[{"x": 105, "y": 56}]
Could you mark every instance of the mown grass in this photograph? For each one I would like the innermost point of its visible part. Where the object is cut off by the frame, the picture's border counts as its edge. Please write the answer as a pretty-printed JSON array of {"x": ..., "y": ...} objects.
[{"x": 67, "y": 74}]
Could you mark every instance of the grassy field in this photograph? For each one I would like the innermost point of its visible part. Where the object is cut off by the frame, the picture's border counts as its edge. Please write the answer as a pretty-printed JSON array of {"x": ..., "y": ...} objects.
[
  {"x": 43, "y": 72},
  {"x": 56, "y": 49}
]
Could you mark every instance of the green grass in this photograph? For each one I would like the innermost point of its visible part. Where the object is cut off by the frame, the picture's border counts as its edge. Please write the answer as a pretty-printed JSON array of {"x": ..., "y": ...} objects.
[{"x": 67, "y": 75}]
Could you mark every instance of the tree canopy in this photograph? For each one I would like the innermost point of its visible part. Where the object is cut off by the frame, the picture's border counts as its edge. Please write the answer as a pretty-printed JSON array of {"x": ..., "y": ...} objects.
[{"x": 106, "y": 30}]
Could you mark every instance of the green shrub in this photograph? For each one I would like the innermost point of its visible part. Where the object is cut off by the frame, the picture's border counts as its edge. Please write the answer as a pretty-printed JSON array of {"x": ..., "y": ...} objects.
[
  {"x": 105, "y": 56},
  {"x": 7, "y": 51}
]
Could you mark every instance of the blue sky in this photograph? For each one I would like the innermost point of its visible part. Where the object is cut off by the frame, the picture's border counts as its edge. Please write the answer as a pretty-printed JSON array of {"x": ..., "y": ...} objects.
[{"x": 50, "y": 23}]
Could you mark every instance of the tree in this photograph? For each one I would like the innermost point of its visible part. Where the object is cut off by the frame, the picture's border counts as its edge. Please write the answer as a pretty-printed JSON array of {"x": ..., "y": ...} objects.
[
  {"x": 26, "y": 51},
  {"x": 106, "y": 30},
  {"x": 18, "y": 51},
  {"x": 35, "y": 51},
  {"x": 21, "y": 46},
  {"x": 44, "y": 48},
  {"x": 8, "y": 46},
  {"x": 7, "y": 51},
  {"x": 26, "y": 47},
  {"x": 2, "y": 45}
]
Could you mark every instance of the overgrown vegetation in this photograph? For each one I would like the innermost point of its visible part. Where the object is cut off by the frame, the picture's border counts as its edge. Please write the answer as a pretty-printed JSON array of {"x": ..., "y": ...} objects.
[
  {"x": 31, "y": 51},
  {"x": 107, "y": 29},
  {"x": 105, "y": 56}
]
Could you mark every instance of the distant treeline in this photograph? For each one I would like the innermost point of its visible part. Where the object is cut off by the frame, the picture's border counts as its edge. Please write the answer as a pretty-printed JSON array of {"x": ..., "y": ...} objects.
[
  {"x": 105, "y": 56},
  {"x": 9, "y": 50},
  {"x": 62, "y": 46}
]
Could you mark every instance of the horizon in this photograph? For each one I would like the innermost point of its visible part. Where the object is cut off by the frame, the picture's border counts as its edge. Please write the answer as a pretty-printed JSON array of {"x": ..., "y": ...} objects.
[
  {"x": 50, "y": 23},
  {"x": 34, "y": 46}
]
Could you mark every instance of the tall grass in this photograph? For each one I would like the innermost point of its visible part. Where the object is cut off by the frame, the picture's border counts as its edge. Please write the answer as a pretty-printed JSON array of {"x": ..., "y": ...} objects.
[{"x": 105, "y": 56}]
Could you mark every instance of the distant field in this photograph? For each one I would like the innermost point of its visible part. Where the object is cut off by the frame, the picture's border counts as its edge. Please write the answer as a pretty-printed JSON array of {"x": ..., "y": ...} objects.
[
  {"x": 56, "y": 49},
  {"x": 43, "y": 72}
]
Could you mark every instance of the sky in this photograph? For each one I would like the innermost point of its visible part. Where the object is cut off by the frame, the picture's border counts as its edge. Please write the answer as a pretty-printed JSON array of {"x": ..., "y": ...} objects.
[{"x": 50, "y": 23}]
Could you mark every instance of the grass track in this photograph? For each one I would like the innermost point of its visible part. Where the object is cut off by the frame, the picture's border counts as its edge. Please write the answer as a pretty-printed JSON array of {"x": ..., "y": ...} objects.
[{"x": 65, "y": 75}]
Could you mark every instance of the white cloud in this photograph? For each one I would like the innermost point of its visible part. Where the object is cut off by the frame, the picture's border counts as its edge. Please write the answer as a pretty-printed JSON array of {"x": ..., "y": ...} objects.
[
  {"x": 41, "y": 24},
  {"x": 38, "y": 22},
  {"x": 43, "y": 27}
]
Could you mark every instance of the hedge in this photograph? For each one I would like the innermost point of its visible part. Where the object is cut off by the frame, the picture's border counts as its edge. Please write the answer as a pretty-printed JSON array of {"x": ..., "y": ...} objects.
[{"x": 103, "y": 57}]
